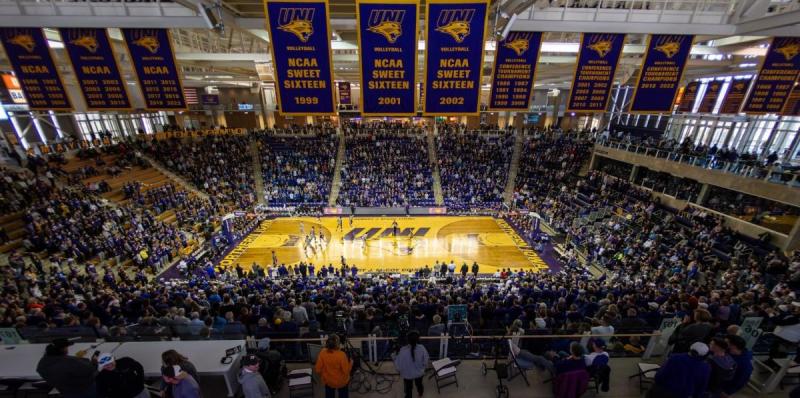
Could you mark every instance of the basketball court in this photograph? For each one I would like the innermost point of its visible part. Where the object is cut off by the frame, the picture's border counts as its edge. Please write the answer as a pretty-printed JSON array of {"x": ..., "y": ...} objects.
[{"x": 372, "y": 243}]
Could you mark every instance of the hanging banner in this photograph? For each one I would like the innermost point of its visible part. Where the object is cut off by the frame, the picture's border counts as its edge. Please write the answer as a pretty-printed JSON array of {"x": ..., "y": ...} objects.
[
  {"x": 387, "y": 43},
  {"x": 710, "y": 98},
  {"x": 661, "y": 72},
  {"x": 344, "y": 93},
  {"x": 689, "y": 96},
  {"x": 455, "y": 34},
  {"x": 154, "y": 62},
  {"x": 29, "y": 54},
  {"x": 792, "y": 107},
  {"x": 735, "y": 96},
  {"x": 96, "y": 70},
  {"x": 775, "y": 79},
  {"x": 594, "y": 71},
  {"x": 514, "y": 71},
  {"x": 301, "y": 52}
]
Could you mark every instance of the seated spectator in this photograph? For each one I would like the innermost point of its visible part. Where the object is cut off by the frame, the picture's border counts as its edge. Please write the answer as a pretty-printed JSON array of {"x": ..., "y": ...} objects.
[{"x": 683, "y": 375}]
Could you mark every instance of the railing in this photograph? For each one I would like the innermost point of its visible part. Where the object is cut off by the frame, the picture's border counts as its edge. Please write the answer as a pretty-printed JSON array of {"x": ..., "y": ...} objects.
[{"x": 749, "y": 169}]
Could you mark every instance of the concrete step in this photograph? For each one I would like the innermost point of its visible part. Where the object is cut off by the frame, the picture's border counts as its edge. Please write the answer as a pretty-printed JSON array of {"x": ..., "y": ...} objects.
[
  {"x": 508, "y": 195},
  {"x": 437, "y": 178},
  {"x": 336, "y": 185}
]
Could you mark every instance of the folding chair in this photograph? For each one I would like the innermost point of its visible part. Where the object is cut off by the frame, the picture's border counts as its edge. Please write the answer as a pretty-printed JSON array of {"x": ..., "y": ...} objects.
[
  {"x": 647, "y": 374},
  {"x": 521, "y": 365},
  {"x": 444, "y": 372}
]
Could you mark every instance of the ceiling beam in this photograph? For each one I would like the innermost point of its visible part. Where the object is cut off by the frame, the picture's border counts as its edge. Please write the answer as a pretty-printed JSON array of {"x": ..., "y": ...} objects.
[
  {"x": 64, "y": 21},
  {"x": 788, "y": 19}
]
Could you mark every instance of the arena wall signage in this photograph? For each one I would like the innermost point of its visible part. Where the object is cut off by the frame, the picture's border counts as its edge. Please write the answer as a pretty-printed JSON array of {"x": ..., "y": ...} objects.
[
  {"x": 387, "y": 43},
  {"x": 301, "y": 52},
  {"x": 713, "y": 88},
  {"x": 661, "y": 72},
  {"x": 514, "y": 71},
  {"x": 455, "y": 35},
  {"x": 153, "y": 60},
  {"x": 345, "y": 95},
  {"x": 689, "y": 96},
  {"x": 594, "y": 71},
  {"x": 29, "y": 54},
  {"x": 96, "y": 70},
  {"x": 779, "y": 71},
  {"x": 735, "y": 96}
]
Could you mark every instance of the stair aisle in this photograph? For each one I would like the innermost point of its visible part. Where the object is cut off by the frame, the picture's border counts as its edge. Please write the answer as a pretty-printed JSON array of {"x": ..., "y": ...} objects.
[
  {"x": 508, "y": 195},
  {"x": 337, "y": 172}
]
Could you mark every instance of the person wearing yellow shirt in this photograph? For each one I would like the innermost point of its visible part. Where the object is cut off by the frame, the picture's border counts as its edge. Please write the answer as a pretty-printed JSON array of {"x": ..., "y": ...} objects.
[{"x": 334, "y": 368}]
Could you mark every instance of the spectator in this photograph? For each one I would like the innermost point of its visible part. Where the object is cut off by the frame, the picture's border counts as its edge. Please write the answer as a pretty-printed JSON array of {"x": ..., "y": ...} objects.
[
  {"x": 683, "y": 375},
  {"x": 737, "y": 348},
  {"x": 253, "y": 384},
  {"x": 691, "y": 330},
  {"x": 411, "y": 361},
  {"x": 179, "y": 384},
  {"x": 73, "y": 376},
  {"x": 723, "y": 367},
  {"x": 120, "y": 378},
  {"x": 334, "y": 367}
]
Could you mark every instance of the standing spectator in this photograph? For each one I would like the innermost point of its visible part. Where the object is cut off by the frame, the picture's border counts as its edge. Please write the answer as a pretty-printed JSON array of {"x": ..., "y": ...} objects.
[
  {"x": 334, "y": 368},
  {"x": 120, "y": 378},
  {"x": 72, "y": 376},
  {"x": 690, "y": 332},
  {"x": 737, "y": 348},
  {"x": 253, "y": 384},
  {"x": 723, "y": 367},
  {"x": 683, "y": 375},
  {"x": 410, "y": 363},
  {"x": 172, "y": 358}
]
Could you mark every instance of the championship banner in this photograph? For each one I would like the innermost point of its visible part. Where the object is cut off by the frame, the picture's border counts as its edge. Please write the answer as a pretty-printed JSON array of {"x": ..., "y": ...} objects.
[
  {"x": 301, "y": 52},
  {"x": 154, "y": 62},
  {"x": 96, "y": 69},
  {"x": 735, "y": 96},
  {"x": 661, "y": 72},
  {"x": 713, "y": 88},
  {"x": 455, "y": 34},
  {"x": 792, "y": 107},
  {"x": 594, "y": 71},
  {"x": 689, "y": 96},
  {"x": 344, "y": 93},
  {"x": 29, "y": 54},
  {"x": 387, "y": 44},
  {"x": 775, "y": 79},
  {"x": 514, "y": 71}
]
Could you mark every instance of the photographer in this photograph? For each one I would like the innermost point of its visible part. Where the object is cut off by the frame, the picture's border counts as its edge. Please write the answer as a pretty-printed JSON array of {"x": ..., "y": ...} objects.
[
  {"x": 410, "y": 362},
  {"x": 334, "y": 368}
]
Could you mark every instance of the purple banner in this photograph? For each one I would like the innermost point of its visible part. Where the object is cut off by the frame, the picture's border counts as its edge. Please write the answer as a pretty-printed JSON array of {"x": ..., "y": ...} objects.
[
  {"x": 713, "y": 88},
  {"x": 514, "y": 71},
  {"x": 792, "y": 107},
  {"x": 594, "y": 71},
  {"x": 96, "y": 70},
  {"x": 29, "y": 54},
  {"x": 689, "y": 97},
  {"x": 154, "y": 62},
  {"x": 662, "y": 68},
  {"x": 344, "y": 93},
  {"x": 735, "y": 96},
  {"x": 778, "y": 73},
  {"x": 210, "y": 99}
]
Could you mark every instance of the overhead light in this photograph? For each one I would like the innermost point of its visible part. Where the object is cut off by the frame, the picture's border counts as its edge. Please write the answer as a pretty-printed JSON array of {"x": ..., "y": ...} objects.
[{"x": 747, "y": 65}]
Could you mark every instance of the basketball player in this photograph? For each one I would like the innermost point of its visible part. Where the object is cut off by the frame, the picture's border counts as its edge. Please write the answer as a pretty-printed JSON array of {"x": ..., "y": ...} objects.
[
  {"x": 274, "y": 259},
  {"x": 339, "y": 224},
  {"x": 394, "y": 228},
  {"x": 351, "y": 220},
  {"x": 302, "y": 228},
  {"x": 321, "y": 237},
  {"x": 313, "y": 234}
]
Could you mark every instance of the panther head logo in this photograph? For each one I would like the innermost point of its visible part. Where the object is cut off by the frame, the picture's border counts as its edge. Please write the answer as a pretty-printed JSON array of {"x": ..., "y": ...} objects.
[
  {"x": 458, "y": 30},
  {"x": 148, "y": 42},
  {"x": 669, "y": 48},
  {"x": 739, "y": 86},
  {"x": 602, "y": 47},
  {"x": 24, "y": 40},
  {"x": 87, "y": 42},
  {"x": 518, "y": 45},
  {"x": 300, "y": 28},
  {"x": 389, "y": 29},
  {"x": 789, "y": 50}
]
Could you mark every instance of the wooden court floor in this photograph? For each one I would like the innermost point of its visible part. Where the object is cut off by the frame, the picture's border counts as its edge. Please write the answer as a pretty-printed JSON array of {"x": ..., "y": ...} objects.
[{"x": 370, "y": 243}]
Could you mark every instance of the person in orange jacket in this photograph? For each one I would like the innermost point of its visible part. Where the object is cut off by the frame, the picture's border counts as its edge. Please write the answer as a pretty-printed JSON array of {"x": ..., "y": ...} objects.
[{"x": 334, "y": 368}]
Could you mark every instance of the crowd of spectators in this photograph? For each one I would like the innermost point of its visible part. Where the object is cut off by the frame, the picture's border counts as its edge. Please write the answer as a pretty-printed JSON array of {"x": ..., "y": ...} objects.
[
  {"x": 297, "y": 168},
  {"x": 473, "y": 167},
  {"x": 220, "y": 166},
  {"x": 386, "y": 169},
  {"x": 19, "y": 188}
]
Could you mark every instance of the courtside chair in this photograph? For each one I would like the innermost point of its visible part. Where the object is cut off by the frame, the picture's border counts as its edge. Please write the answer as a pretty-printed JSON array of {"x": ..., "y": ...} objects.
[{"x": 444, "y": 373}]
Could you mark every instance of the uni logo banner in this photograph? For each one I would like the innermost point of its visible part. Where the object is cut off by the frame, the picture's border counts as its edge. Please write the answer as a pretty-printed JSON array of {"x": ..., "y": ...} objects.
[
  {"x": 776, "y": 78},
  {"x": 38, "y": 76},
  {"x": 661, "y": 72},
  {"x": 594, "y": 72},
  {"x": 455, "y": 36},
  {"x": 713, "y": 88},
  {"x": 301, "y": 54},
  {"x": 792, "y": 107},
  {"x": 735, "y": 96},
  {"x": 96, "y": 70},
  {"x": 514, "y": 71},
  {"x": 387, "y": 43},
  {"x": 689, "y": 97},
  {"x": 156, "y": 70}
]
